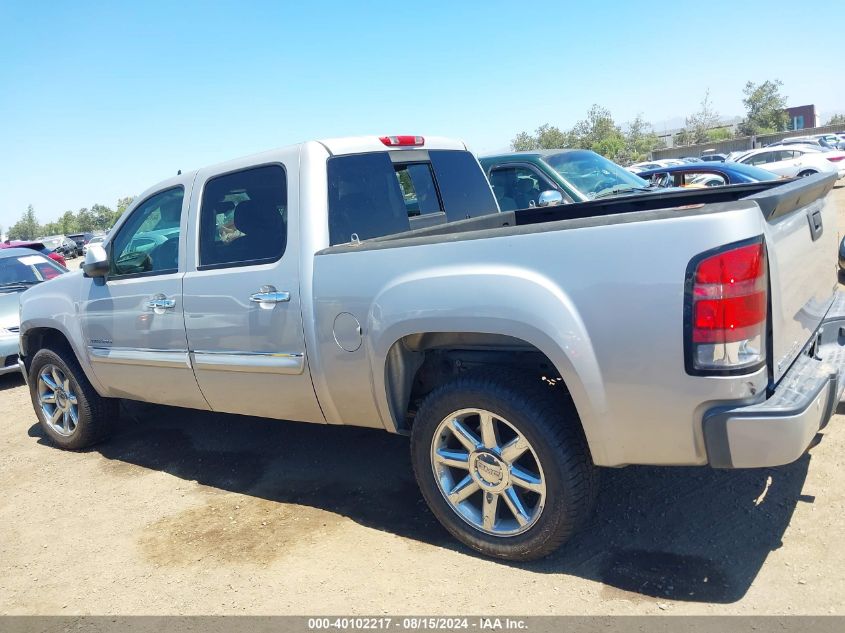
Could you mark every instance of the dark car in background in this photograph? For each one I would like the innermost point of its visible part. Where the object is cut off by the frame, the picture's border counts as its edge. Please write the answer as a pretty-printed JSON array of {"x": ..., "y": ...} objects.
[
  {"x": 714, "y": 158},
  {"x": 712, "y": 174},
  {"x": 81, "y": 239},
  {"x": 62, "y": 244}
]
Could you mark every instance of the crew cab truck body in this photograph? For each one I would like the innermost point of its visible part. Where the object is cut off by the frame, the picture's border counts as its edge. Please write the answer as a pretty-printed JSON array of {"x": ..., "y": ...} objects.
[{"x": 374, "y": 282}]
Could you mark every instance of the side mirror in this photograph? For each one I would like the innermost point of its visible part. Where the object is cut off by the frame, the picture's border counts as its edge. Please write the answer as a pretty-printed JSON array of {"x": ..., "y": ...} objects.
[
  {"x": 96, "y": 262},
  {"x": 550, "y": 198}
]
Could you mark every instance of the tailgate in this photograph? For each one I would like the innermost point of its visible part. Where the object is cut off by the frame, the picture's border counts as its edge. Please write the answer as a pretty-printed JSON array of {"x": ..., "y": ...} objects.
[{"x": 802, "y": 239}]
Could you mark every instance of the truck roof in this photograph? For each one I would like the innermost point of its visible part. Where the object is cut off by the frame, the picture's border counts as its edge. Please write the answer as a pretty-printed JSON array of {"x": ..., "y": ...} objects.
[{"x": 334, "y": 146}]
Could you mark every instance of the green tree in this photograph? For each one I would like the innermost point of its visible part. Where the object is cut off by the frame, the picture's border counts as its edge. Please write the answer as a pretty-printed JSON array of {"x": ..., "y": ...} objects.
[
  {"x": 103, "y": 216},
  {"x": 698, "y": 125},
  {"x": 598, "y": 132},
  {"x": 85, "y": 220},
  {"x": 640, "y": 140},
  {"x": 683, "y": 138},
  {"x": 66, "y": 223},
  {"x": 51, "y": 228},
  {"x": 836, "y": 119},
  {"x": 719, "y": 134},
  {"x": 523, "y": 142},
  {"x": 765, "y": 108},
  {"x": 545, "y": 137},
  {"x": 27, "y": 228}
]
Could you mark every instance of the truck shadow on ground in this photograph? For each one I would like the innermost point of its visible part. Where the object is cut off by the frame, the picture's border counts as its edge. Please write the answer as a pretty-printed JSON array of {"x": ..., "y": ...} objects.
[
  {"x": 11, "y": 381},
  {"x": 691, "y": 534}
]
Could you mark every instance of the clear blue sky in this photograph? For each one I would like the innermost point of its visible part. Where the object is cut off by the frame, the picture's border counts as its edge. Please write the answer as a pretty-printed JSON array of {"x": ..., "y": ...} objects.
[{"x": 101, "y": 100}]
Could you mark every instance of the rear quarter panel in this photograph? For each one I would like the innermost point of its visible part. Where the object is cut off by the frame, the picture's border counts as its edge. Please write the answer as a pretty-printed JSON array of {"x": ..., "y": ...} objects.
[{"x": 604, "y": 303}]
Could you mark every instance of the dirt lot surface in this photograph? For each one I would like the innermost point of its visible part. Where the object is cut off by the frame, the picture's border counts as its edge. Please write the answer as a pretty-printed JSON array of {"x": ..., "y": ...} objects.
[{"x": 188, "y": 512}]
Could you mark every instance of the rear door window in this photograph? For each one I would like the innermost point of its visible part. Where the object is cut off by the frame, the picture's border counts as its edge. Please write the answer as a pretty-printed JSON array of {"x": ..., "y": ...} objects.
[
  {"x": 371, "y": 196},
  {"x": 365, "y": 199},
  {"x": 243, "y": 219}
]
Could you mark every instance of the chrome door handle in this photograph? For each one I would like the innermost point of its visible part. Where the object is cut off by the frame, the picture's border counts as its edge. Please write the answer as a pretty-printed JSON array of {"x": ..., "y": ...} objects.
[
  {"x": 161, "y": 302},
  {"x": 271, "y": 296}
]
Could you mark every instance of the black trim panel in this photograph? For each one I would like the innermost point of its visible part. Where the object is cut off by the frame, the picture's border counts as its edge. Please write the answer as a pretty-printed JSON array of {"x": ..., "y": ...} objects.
[{"x": 786, "y": 198}]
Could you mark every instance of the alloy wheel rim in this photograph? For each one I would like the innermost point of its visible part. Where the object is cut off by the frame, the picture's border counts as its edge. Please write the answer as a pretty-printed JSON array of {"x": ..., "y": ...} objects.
[
  {"x": 58, "y": 402},
  {"x": 488, "y": 472}
]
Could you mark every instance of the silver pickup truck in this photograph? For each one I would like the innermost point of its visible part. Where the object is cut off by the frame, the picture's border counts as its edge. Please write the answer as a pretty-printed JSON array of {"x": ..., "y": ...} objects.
[{"x": 374, "y": 282}]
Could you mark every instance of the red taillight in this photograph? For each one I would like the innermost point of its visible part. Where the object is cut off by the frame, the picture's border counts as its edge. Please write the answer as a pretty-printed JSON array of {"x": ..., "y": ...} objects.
[
  {"x": 836, "y": 159},
  {"x": 402, "y": 141},
  {"x": 729, "y": 303}
]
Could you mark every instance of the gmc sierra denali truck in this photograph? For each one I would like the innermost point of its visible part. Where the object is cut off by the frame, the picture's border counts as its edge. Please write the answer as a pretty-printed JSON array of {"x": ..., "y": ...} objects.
[{"x": 374, "y": 282}]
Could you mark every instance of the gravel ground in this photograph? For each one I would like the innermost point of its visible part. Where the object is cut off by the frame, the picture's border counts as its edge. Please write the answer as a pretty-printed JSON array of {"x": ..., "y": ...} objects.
[{"x": 190, "y": 513}]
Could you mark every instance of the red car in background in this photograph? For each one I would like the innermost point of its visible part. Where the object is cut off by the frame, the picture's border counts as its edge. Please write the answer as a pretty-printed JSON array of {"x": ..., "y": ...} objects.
[{"x": 36, "y": 246}]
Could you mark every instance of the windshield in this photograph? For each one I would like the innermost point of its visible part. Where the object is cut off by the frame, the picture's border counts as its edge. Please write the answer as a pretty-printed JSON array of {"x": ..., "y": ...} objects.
[
  {"x": 593, "y": 174},
  {"x": 26, "y": 270}
]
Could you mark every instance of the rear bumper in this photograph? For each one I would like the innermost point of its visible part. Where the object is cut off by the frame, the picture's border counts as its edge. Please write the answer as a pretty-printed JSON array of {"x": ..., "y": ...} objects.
[{"x": 779, "y": 430}]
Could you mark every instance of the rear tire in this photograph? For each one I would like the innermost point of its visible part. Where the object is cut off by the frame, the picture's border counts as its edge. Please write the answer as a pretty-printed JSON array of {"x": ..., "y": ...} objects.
[
  {"x": 516, "y": 491},
  {"x": 807, "y": 172},
  {"x": 73, "y": 415}
]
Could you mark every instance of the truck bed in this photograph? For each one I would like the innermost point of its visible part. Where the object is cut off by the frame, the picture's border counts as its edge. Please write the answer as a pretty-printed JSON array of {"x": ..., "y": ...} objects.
[
  {"x": 611, "y": 296},
  {"x": 775, "y": 198}
]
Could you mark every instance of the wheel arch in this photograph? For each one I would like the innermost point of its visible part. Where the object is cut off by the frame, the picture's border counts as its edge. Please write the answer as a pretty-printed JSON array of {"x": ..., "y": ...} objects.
[
  {"x": 38, "y": 336},
  {"x": 418, "y": 362}
]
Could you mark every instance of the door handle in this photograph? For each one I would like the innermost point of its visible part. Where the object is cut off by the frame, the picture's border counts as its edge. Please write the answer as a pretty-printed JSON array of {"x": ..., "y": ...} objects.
[
  {"x": 160, "y": 303},
  {"x": 268, "y": 294}
]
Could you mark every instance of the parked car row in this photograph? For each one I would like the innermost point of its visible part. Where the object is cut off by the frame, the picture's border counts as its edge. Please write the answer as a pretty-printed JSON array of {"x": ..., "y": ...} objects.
[
  {"x": 36, "y": 246},
  {"x": 669, "y": 162},
  {"x": 59, "y": 248},
  {"x": 827, "y": 141},
  {"x": 714, "y": 174},
  {"x": 20, "y": 269}
]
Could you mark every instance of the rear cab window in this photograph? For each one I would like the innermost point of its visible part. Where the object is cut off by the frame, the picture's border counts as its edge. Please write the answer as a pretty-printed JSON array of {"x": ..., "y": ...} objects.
[{"x": 385, "y": 193}]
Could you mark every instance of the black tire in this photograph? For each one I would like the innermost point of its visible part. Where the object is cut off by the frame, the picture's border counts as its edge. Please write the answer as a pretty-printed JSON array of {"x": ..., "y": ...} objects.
[
  {"x": 95, "y": 414},
  {"x": 548, "y": 420},
  {"x": 807, "y": 172}
]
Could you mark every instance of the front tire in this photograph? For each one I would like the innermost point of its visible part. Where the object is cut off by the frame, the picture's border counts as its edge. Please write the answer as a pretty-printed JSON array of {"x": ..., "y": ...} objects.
[
  {"x": 73, "y": 415},
  {"x": 503, "y": 464}
]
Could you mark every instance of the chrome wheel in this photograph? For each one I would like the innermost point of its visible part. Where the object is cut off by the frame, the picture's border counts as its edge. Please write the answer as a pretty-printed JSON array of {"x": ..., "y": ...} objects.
[
  {"x": 58, "y": 402},
  {"x": 488, "y": 472}
]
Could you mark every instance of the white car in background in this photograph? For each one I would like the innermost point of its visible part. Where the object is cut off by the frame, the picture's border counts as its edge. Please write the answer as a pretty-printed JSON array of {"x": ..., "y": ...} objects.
[
  {"x": 794, "y": 160},
  {"x": 654, "y": 164},
  {"x": 97, "y": 239}
]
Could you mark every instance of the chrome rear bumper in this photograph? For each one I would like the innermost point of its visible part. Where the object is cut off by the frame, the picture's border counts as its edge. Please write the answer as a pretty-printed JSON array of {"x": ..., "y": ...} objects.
[{"x": 779, "y": 429}]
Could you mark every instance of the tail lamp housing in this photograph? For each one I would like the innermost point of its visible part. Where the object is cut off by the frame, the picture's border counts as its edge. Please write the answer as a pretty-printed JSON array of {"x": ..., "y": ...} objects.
[
  {"x": 402, "y": 140},
  {"x": 726, "y": 310}
]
